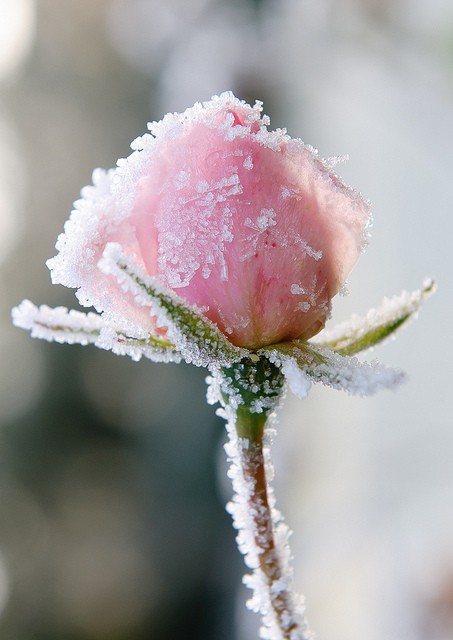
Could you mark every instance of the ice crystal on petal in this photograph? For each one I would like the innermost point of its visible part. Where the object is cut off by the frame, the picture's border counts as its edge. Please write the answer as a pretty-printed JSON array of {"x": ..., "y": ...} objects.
[
  {"x": 197, "y": 237},
  {"x": 332, "y": 161},
  {"x": 313, "y": 253},
  {"x": 75, "y": 327},
  {"x": 248, "y": 163},
  {"x": 296, "y": 289}
]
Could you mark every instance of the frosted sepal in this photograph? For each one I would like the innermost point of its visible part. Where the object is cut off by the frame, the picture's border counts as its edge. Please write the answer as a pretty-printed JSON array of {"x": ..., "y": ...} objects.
[
  {"x": 75, "y": 327},
  {"x": 303, "y": 364},
  {"x": 361, "y": 333},
  {"x": 198, "y": 340},
  {"x": 254, "y": 383}
]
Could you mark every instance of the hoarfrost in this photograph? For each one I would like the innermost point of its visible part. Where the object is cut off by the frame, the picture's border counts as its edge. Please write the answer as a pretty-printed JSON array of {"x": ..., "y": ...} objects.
[
  {"x": 286, "y": 193},
  {"x": 198, "y": 340},
  {"x": 312, "y": 294},
  {"x": 196, "y": 237},
  {"x": 182, "y": 179},
  {"x": 296, "y": 289},
  {"x": 262, "y": 535},
  {"x": 320, "y": 364},
  {"x": 273, "y": 140},
  {"x": 313, "y": 253},
  {"x": 298, "y": 381},
  {"x": 202, "y": 186},
  {"x": 303, "y": 306},
  {"x": 361, "y": 333},
  {"x": 248, "y": 163},
  {"x": 282, "y": 611},
  {"x": 332, "y": 161},
  {"x": 75, "y": 327},
  {"x": 265, "y": 220}
]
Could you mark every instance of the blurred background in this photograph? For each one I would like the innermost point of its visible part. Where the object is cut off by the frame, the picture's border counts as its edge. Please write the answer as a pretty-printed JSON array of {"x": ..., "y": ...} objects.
[{"x": 112, "y": 474}]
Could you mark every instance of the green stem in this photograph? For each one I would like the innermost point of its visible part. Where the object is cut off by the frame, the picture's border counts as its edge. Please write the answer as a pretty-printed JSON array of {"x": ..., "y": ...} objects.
[
  {"x": 250, "y": 391},
  {"x": 250, "y": 426}
]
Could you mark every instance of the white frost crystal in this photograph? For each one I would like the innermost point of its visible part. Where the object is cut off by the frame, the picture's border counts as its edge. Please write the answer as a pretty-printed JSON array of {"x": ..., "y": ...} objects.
[
  {"x": 75, "y": 327},
  {"x": 303, "y": 364}
]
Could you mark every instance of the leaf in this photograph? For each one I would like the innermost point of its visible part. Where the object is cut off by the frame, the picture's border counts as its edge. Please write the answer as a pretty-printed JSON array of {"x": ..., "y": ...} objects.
[
  {"x": 198, "y": 339},
  {"x": 361, "y": 333},
  {"x": 304, "y": 363},
  {"x": 74, "y": 327}
]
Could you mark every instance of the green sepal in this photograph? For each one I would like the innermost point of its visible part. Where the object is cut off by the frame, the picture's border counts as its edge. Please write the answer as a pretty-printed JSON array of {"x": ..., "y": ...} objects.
[
  {"x": 360, "y": 334},
  {"x": 304, "y": 363},
  {"x": 199, "y": 340},
  {"x": 253, "y": 383},
  {"x": 75, "y": 327}
]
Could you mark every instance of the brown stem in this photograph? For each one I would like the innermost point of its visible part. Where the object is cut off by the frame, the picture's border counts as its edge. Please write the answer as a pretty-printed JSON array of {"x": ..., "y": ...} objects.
[{"x": 251, "y": 427}]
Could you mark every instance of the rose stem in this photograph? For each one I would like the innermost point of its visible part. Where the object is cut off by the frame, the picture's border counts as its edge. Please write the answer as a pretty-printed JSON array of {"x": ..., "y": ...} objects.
[{"x": 250, "y": 427}]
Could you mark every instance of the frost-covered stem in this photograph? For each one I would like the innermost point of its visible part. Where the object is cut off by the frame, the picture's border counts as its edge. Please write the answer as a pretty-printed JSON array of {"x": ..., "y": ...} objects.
[
  {"x": 249, "y": 392},
  {"x": 262, "y": 532},
  {"x": 250, "y": 426}
]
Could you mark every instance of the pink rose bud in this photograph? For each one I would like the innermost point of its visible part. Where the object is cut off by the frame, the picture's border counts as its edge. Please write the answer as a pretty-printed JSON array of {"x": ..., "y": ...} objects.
[{"x": 247, "y": 224}]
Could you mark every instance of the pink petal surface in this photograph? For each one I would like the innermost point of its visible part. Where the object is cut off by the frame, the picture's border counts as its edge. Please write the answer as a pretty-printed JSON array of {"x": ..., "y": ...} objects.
[{"x": 247, "y": 224}]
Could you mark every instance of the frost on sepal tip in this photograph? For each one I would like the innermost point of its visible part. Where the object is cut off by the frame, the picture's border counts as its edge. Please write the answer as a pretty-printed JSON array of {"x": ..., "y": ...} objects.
[
  {"x": 361, "y": 333},
  {"x": 302, "y": 364},
  {"x": 199, "y": 340},
  {"x": 74, "y": 327}
]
